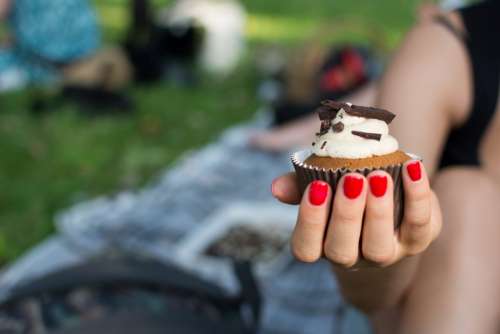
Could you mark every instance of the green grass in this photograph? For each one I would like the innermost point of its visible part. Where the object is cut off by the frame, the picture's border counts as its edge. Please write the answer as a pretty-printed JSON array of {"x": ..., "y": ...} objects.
[{"x": 47, "y": 163}]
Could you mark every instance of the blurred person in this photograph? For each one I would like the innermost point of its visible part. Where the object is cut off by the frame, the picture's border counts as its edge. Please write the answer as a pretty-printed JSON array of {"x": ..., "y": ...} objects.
[
  {"x": 45, "y": 36},
  {"x": 443, "y": 83},
  {"x": 297, "y": 132},
  {"x": 170, "y": 43},
  {"x": 223, "y": 23},
  {"x": 160, "y": 50}
]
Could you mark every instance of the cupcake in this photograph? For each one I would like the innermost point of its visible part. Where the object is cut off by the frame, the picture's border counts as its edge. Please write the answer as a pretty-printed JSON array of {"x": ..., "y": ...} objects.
[{"x": 352, "y": 139}]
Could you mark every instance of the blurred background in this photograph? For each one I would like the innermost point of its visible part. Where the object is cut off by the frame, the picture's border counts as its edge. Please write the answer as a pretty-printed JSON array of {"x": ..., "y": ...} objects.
[
  {"x": 54, "y": 155},
  {"x": 153, "y": 129}
]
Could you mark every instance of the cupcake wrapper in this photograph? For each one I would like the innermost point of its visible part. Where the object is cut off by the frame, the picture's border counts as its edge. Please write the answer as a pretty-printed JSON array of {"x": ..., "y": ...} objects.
[{"x": 306, "y": 174}]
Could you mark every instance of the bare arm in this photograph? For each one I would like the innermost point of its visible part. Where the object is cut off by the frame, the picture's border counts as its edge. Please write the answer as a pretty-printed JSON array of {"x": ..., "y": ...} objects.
[
  {"x": 4, "y": 8},
  {"x": 428, "y": 86}
]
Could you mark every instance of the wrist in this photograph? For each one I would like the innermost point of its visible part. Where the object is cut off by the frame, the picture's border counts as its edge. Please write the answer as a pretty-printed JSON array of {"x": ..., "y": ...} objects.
[{"x": 372, "y": 289}]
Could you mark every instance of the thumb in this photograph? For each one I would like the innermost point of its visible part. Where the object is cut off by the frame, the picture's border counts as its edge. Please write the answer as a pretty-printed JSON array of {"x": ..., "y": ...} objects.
[{"x": 286, "y": 189}]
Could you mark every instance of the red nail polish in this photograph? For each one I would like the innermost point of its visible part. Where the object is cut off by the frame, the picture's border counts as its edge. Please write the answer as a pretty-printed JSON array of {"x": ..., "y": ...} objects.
[
  {"x": 378, "y": 185},
  {"x": 352, "y": 186},
  {"x": 318, "y": 191},
  {"x": 414, "y": 171}
]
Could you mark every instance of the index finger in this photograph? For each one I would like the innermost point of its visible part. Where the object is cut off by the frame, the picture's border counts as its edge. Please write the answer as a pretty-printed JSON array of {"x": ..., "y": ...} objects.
[{"x": 286, "y": 189}]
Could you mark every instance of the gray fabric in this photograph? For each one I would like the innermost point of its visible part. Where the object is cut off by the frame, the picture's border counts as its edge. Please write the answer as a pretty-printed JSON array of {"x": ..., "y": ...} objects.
[{"x": 301, "y": 298}]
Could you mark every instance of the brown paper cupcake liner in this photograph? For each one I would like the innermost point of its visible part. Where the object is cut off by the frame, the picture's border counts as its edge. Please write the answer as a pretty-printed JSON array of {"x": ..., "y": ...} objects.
[{"x": 306, "y": 174}]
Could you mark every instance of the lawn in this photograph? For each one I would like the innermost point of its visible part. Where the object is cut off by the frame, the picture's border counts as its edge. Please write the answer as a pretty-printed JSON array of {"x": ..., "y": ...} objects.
[{"x": 50, "y": 162}]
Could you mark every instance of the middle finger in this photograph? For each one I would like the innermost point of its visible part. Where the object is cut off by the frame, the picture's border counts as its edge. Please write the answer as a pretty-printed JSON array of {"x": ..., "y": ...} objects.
[
  {"x": 379, "y": 239},
  {"x": 344, "y": 230}
]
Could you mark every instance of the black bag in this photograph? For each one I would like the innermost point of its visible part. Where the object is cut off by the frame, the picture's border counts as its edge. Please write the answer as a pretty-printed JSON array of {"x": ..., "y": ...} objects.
[
  {"x": 130, "y": 295},
  {"x": 157, "y": 51}
]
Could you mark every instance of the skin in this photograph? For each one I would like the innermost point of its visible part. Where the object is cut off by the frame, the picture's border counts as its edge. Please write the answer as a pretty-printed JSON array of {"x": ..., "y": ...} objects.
[
  {"x": 4, "y": 8},
  {"x": 417, "y": 280}
]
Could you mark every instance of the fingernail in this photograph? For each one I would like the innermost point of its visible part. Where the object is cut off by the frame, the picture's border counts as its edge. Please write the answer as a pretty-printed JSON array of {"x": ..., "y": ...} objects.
[
  {"x": 318, "y": 191},
  {"x": 353, "y": 186},
  {"x": 414, "y": 171},
  {"x": 378, "y": 185}
]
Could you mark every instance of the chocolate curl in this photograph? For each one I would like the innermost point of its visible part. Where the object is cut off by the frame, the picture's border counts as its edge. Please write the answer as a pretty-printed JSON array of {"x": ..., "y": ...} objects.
[
  {"x": 329, "y": 109},
  {"x": 325, "y": 126},
  {"x": 338, "y": 127},
  {"x": 367, "y": 135},
  {"x": 370, "y": 112},
  {"x": 326, "y": 113},
  {"x": 335, "y": 105}
]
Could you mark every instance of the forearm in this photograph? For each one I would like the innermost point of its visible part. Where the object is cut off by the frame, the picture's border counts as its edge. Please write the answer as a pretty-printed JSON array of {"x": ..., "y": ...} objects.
[{"x": 375, "y": 289}]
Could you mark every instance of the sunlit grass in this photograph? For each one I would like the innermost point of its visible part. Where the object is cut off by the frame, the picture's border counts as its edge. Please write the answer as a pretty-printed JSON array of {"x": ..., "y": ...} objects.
[
  {"x": 292, "y": 30},
  {"x": 357, "y": 21}
]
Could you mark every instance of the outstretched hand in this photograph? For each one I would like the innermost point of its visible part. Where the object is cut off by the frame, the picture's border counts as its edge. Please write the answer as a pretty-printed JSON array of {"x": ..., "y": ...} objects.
[{"x": 357, "y": 227}]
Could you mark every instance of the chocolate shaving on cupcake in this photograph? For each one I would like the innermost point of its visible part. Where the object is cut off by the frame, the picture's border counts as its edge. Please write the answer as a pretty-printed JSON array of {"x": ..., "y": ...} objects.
[
  {"x": 325, "y": 126},
  {"x": 326, "y": 113},
  {"x": 338, "y": 127},
  {"x": 367, "y": 135},
  {"x": 370, "y": 112},
  {"x": 359, "y": 141},
  {"x": 334, "y": 107},
  {"x": 329, "y": 110}
]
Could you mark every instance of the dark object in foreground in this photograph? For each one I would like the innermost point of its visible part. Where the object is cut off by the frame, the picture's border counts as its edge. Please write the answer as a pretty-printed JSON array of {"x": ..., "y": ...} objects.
[
  {"x": 96, "y": 100},
  {"x": 92, "y": 101},
  {"x": 158, "y": 51},
  {"x": 129, "y": 295}
]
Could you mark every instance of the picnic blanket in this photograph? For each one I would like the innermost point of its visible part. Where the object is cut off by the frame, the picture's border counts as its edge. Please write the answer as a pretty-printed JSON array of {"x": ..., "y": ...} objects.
[{"x": 298, "y": 298}]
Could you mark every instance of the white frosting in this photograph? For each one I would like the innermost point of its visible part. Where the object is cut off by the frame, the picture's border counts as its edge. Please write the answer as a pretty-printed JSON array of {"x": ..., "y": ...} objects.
[{"x": 346, "y": 145}]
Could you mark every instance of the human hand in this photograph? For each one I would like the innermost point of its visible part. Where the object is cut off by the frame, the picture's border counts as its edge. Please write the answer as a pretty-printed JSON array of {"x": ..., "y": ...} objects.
[{"x": 356, "y": 229}]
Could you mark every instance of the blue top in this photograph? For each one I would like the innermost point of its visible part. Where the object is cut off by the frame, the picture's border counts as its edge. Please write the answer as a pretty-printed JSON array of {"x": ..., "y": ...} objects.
[
  {"x": 48, "y": 32},
  {"x": 58, "y": 30}
]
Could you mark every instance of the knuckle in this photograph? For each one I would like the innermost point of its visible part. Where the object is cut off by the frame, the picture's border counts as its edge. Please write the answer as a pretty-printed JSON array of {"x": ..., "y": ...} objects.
[
  {"x": 311, "y": 221},
  {"x": 416, "y": 241},
  {"x": 343, "y": 260},
  {"x": 416, "y": 248},
  {"x": 304, "y": 256},
  {"x": 381, "y": 258},
  {"x": 417, "y": 235},
  {"x": 345, "y": 216},
  {"x": 379, "y": 213},
  {"x": 417, "y": 194},
  {"x": 418, "y": 218},
  {"x": 308, "y": 223}
]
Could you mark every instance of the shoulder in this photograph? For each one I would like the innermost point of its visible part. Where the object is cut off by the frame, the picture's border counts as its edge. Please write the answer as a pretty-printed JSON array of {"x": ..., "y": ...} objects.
[
  {"x": 436, "y": 61},
  {"x": 432, "y": 41}
]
